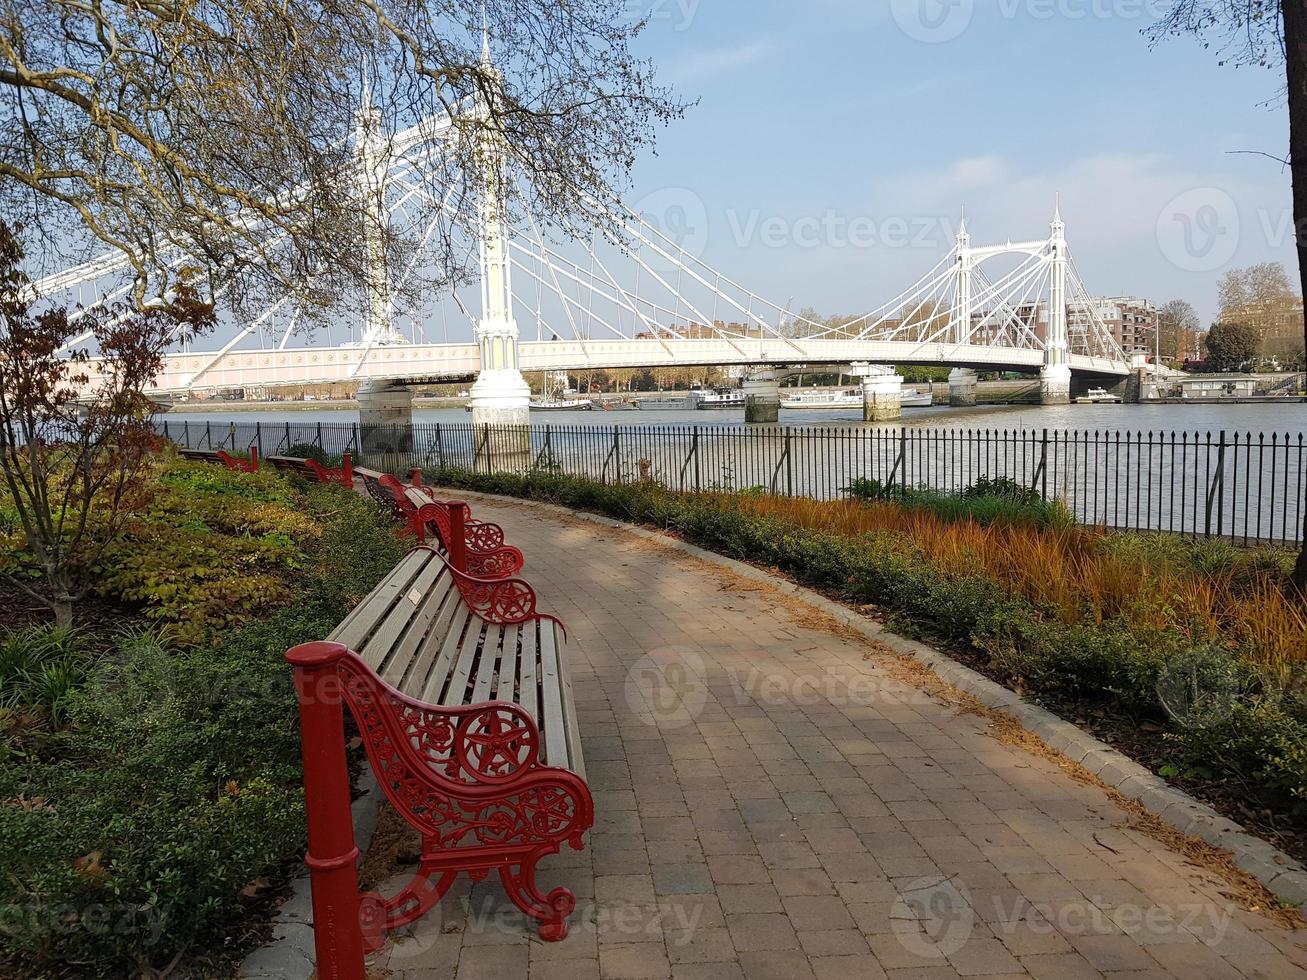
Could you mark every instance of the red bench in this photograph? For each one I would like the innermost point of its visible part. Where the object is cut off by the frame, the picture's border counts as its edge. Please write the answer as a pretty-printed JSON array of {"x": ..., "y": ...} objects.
[{"x": 461, "y": 691}]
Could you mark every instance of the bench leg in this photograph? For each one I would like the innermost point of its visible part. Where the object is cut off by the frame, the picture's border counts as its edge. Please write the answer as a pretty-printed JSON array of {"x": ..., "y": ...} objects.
[
  {"x": 381, "y": 915},
  {"x": 552, "y": 910}
]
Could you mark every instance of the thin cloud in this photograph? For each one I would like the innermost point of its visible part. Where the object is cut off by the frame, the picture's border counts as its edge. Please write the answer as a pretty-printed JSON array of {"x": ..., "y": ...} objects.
[{"x": 721, "y": 61}]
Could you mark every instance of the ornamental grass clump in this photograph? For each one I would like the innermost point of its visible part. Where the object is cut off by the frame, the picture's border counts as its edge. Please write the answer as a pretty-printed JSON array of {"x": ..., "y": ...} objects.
[{"x": 1074, "y": 613}]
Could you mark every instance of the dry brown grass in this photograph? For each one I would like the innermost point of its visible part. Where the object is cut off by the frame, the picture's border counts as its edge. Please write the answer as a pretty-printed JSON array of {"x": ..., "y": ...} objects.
[{"x": 1076, "y": 574}]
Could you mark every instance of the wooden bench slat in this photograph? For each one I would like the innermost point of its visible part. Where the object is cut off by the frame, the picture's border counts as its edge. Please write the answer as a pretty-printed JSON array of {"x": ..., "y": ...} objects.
[
  {"x": 461, "y": 677},
  {"x": 506, "y": 679},
  {"x": 488, "y": 662},
  {"x": 574, "y": 755},
  {"x": 552, "y": 727},
  {"x": 528, "y": 682},
  {"x": 395, "y": 638},
  {"x": 355, "y": 628},
  {"x": 435, "y": 683},
  {"x": 443, "y": 608}
]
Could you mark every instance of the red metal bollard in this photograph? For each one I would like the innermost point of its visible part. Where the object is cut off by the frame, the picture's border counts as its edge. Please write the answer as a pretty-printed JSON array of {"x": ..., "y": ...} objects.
[
  {"x": 347, "y": 471},
  {"x": 457, "y": 534},
  {"x": 254, "y": 459},
  {"x": 415, "y": 476},
  {"x": 332, "y": 857}
]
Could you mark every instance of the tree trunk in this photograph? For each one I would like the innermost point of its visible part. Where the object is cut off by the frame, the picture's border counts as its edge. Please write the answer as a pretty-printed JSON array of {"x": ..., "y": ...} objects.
[
  {"x": 1295, "y": 50},
  {"x": 63, "y": 612}
]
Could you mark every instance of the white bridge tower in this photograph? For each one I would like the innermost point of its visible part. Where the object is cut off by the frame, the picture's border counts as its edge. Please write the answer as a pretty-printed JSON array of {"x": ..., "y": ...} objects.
[
  {"x": 1055, "y": 376},
  {"x": 382, "y": 403},
  {"x": 500, "y": 396}
]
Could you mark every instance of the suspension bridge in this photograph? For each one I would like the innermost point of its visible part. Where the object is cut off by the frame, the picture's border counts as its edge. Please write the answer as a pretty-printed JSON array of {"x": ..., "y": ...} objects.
[{"x": 552, "y": 300}]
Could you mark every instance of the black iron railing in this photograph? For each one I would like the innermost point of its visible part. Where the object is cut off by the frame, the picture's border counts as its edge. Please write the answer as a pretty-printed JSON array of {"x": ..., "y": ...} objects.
[{"x": 1244, "y": 486}]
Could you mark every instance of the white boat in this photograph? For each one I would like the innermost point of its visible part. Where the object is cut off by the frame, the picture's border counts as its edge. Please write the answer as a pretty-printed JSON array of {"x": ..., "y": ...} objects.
[
  {"x": 718, "y": 398},
  {"x": 1098, "y": 396},
  {"x": 818, "y": 398},
  {"x": 561, "y": 405},
  {"x": 911, "y": 398},
  {"x": 850, "y": 398}
]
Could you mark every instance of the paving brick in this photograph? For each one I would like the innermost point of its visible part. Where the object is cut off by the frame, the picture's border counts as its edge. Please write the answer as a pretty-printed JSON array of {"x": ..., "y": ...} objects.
[{"x": 774, "y": 838}]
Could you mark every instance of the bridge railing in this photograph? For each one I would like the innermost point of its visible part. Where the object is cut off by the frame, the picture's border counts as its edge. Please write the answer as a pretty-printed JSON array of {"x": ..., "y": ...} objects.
[{"x": 1243, "y": 486}]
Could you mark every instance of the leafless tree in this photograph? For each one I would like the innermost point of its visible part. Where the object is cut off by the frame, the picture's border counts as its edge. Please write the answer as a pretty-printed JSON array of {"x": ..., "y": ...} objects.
[
  {"x": 1179, "y": 326},
  {"x": 1270, "y": 34},
  {"x": 220, "y": 135}
]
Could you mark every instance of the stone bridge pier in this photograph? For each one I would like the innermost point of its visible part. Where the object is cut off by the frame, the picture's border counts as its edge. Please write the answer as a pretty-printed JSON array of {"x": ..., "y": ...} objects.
[
  {"x": 882, "y": 392},
  {"x": 762, "y": 397},
  {"x": 385, "y": 416}
]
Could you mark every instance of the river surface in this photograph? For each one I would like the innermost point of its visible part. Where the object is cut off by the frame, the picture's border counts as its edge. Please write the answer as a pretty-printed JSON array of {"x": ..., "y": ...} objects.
[
  {"x": 1233, "y": 470},
  {"x": 1255, "y": 419}
]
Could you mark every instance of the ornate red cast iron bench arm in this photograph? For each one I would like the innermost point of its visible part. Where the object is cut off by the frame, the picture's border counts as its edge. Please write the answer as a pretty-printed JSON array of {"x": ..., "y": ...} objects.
[
  {"x": 468, "y": 778},
  {"x": 344, "y": 475},
  {"x": 483, "y": 553},
  {"x": 504, "y": 601}
]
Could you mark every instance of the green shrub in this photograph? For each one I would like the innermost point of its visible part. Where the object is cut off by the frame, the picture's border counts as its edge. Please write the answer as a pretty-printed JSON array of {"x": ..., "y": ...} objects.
[
  {"x": 214, "y": 548},
  {"x": 309, "y": 450},
  {"x": 987, "y": 501},
  {"x": 131, "y": 831},
  {"x": 1002, "y": 488}
]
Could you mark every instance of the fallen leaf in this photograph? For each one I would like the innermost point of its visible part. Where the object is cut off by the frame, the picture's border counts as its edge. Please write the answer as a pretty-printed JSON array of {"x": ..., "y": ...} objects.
[{"x": 90, "y": 866}]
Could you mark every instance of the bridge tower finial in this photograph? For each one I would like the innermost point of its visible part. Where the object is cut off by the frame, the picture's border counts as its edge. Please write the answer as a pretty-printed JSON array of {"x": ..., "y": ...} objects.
[{"x": 485, "y": 36}]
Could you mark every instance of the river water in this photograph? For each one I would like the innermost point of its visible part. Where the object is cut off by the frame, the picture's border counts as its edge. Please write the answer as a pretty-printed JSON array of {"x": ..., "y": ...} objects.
[
  {"x": 1256, "y": 419},
  {"x": 1238, "y": 471}
]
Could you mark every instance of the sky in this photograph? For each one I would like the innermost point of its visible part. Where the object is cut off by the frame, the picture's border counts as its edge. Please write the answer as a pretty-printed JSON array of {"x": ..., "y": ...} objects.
[{"x": 835, "y": 143}]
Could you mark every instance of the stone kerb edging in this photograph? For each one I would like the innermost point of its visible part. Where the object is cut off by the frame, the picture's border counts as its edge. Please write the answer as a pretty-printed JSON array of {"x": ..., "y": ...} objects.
[{"x": 1281, "y": 874}]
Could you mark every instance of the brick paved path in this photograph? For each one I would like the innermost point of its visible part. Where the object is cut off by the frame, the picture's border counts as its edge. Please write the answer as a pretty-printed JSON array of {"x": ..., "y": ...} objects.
[{"x": 771, "y": 803}]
